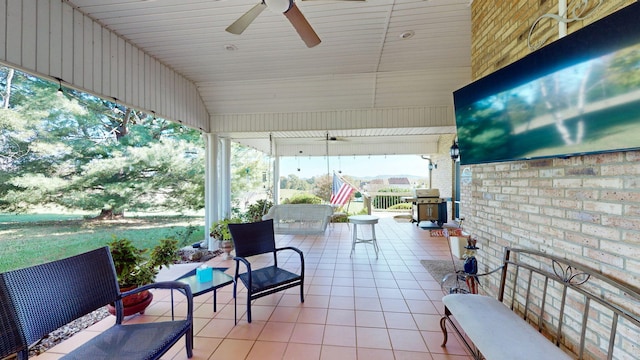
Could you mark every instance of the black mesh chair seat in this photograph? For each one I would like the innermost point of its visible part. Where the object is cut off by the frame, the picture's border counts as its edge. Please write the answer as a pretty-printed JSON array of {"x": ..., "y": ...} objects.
[
  {"x": 268, "y": 278},
  {"x": 258, "y": 238},
  {"x": 37, "y": 300},
  {"x": 136, "y": 341}
]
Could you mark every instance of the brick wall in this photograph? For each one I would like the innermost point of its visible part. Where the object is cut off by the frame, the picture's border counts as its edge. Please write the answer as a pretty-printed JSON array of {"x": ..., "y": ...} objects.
[
  {"x": 586, "y": 208},
  {"x": 500, "y": 29}
]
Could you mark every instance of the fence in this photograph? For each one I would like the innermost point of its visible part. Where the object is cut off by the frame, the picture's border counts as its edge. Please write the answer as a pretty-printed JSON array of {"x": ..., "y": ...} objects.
[{"x": 384, "y": 200}]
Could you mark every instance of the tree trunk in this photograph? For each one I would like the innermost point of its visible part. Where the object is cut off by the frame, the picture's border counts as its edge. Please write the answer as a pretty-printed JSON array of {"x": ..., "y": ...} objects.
[
  {"x": 123, "y": 128},
  {"x": 6, "y": 97},
  {"x": 109, "y": 214}
]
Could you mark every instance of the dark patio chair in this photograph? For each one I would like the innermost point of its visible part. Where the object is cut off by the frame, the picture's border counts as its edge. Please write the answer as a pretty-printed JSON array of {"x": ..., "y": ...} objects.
[
  {"x": 37, "y": 300},
  {"x": 257, "y": 238}
]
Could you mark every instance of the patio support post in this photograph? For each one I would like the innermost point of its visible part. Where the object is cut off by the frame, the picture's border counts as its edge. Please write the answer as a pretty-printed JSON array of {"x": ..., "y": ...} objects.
[
  {"x": 210, "y": 174},
  {"x": 276, "y": 178},
  {"x": 224, "y": 166},
  {"x": 217, "y": 182}
]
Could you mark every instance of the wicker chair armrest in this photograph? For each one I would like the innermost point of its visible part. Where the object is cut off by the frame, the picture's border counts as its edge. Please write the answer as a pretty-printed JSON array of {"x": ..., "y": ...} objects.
[
  {"x": 244, "y": 261},
  {"x": 171, "y": 285},
  {"x": 247, "y": 264},
  {"x": 177, "y": 285},
  {"x": 299, "y": 253},
  {"x": 291, "y": 248}
]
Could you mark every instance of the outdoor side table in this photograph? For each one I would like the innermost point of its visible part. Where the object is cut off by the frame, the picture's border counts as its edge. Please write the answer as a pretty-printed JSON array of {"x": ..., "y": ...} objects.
[
  {"x": 218, "y": 280},
  {"x": 364, "y": 220}
]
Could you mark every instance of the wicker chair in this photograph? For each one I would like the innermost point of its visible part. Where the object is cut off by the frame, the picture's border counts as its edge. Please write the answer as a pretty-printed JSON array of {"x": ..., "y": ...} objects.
[
  {"x": 258, "y": 238},
  {"x": 35, "y": 301}
]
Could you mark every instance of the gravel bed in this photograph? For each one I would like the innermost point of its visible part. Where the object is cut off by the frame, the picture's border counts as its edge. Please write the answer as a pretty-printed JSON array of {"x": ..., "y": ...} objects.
[
  {"x": 187, "y": 255},
  {"x": 67, "y": 331}
]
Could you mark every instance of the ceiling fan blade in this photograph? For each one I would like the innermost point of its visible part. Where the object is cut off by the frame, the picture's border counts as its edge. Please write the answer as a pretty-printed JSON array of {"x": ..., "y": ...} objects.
[
  {"x": 245, "y": 20},
  {"x": 302, "y": 26}
]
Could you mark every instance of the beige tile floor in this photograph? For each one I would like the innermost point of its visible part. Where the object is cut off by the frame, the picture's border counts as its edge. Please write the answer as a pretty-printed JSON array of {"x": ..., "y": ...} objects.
[{"x": 355, "y": 307}]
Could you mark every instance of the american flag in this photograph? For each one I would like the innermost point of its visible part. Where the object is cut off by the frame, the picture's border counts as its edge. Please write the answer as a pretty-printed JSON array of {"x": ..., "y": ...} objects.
[{"x": 341, "y": 191}]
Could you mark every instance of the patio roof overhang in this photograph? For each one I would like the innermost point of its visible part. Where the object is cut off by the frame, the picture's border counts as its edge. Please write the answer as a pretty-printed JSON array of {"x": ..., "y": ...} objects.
[{"x": 174, "y": 59}]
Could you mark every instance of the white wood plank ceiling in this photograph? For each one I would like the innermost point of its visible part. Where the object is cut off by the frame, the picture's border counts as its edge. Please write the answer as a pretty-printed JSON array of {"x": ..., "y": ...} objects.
[{"x": 267, "y": 74}]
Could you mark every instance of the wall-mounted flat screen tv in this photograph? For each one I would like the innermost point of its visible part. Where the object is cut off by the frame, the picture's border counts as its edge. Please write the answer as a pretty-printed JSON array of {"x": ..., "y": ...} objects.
[{"x": 577, "y": 95}]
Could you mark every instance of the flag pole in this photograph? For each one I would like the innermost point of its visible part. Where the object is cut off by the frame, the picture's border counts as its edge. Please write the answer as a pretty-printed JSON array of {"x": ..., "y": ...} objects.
[{"x": 326, "y": 144}]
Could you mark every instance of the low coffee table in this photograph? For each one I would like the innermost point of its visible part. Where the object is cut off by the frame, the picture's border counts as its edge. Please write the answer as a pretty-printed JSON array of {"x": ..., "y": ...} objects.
[{"x": 218, "y": 280}]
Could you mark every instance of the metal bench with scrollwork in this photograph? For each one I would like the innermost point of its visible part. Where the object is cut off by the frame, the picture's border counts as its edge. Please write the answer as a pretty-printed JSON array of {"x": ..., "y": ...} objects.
[{"x": 547, "y": 307}]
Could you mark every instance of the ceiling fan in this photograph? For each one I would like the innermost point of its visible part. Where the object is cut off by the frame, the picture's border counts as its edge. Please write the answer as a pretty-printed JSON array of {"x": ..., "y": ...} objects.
[{"x": 289, "y": 9}]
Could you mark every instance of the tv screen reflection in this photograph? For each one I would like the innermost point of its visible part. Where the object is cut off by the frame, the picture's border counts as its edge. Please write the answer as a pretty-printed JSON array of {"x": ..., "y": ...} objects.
[{"x": 586, "y": 106}]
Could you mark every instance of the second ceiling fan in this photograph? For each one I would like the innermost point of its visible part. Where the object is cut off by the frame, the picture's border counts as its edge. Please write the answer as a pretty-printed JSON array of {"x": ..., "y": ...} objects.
[{"x": 290, "y": 11}]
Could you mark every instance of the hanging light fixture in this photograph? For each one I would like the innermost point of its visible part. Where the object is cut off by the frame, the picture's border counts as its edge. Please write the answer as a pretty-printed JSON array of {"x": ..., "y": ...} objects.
[
  {"x": 454, "y": 151},
  {"x": 60, "y": 92}
]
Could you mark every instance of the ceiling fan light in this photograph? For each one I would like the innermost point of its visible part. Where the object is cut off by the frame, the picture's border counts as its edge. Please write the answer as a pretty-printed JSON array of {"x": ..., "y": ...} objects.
[{"x": 278, "y": 6}]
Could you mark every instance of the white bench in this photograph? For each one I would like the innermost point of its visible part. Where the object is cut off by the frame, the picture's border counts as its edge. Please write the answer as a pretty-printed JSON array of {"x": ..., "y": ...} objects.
[
  {"x": 299, "y": 218},
  {"x": 547, "y": 308},
  {"x": 497, "y": 332}
]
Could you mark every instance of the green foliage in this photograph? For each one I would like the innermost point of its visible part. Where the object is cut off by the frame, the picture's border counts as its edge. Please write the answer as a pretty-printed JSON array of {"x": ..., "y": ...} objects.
[
  {"x": 82, "y": 152},
  {"x": 400, "y": 206},
  {"x": 393, "y": 190},
  {"x": 164, "y": 254},
  {"x": 126, "y": 258},
  {"x": 294, "y": 182},
  {"x": 219, "y": 230},
  {"x": 622, "y": 73},
  {"x": 133, "y": 268},
  {"x": 183, "y": 236},
  {"x": 257, "y": 210},
  {"x": 341, "y": 218},
  {"x": 322, "y": 187},
  {"x": 22, "y": 245},
  {"x": 148, "y": 177},
  {"x": 303, "y": 199},
  {"x": 249, "y": 172}
]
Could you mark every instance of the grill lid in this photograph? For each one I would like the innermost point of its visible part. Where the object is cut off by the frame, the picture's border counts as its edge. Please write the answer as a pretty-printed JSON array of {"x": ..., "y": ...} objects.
[{"x": 421, "y": 193}]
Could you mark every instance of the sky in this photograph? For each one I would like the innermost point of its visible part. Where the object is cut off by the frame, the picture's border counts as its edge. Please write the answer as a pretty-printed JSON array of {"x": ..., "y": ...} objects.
[{"x": 358, "y": 166}]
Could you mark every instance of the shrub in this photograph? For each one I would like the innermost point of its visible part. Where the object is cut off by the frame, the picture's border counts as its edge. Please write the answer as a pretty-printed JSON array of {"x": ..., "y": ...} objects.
[
  {"x": 219, "y": 230},
  {"x": 256, "y": 210},
  {"x": 303, "y": 199},
  {"x": 400, "y": 206},
  {"x": 133, "y": 268}
]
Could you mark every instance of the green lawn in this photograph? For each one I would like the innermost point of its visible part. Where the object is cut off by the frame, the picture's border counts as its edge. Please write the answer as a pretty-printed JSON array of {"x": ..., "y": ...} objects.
[{"x": 27, "y": 240}]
